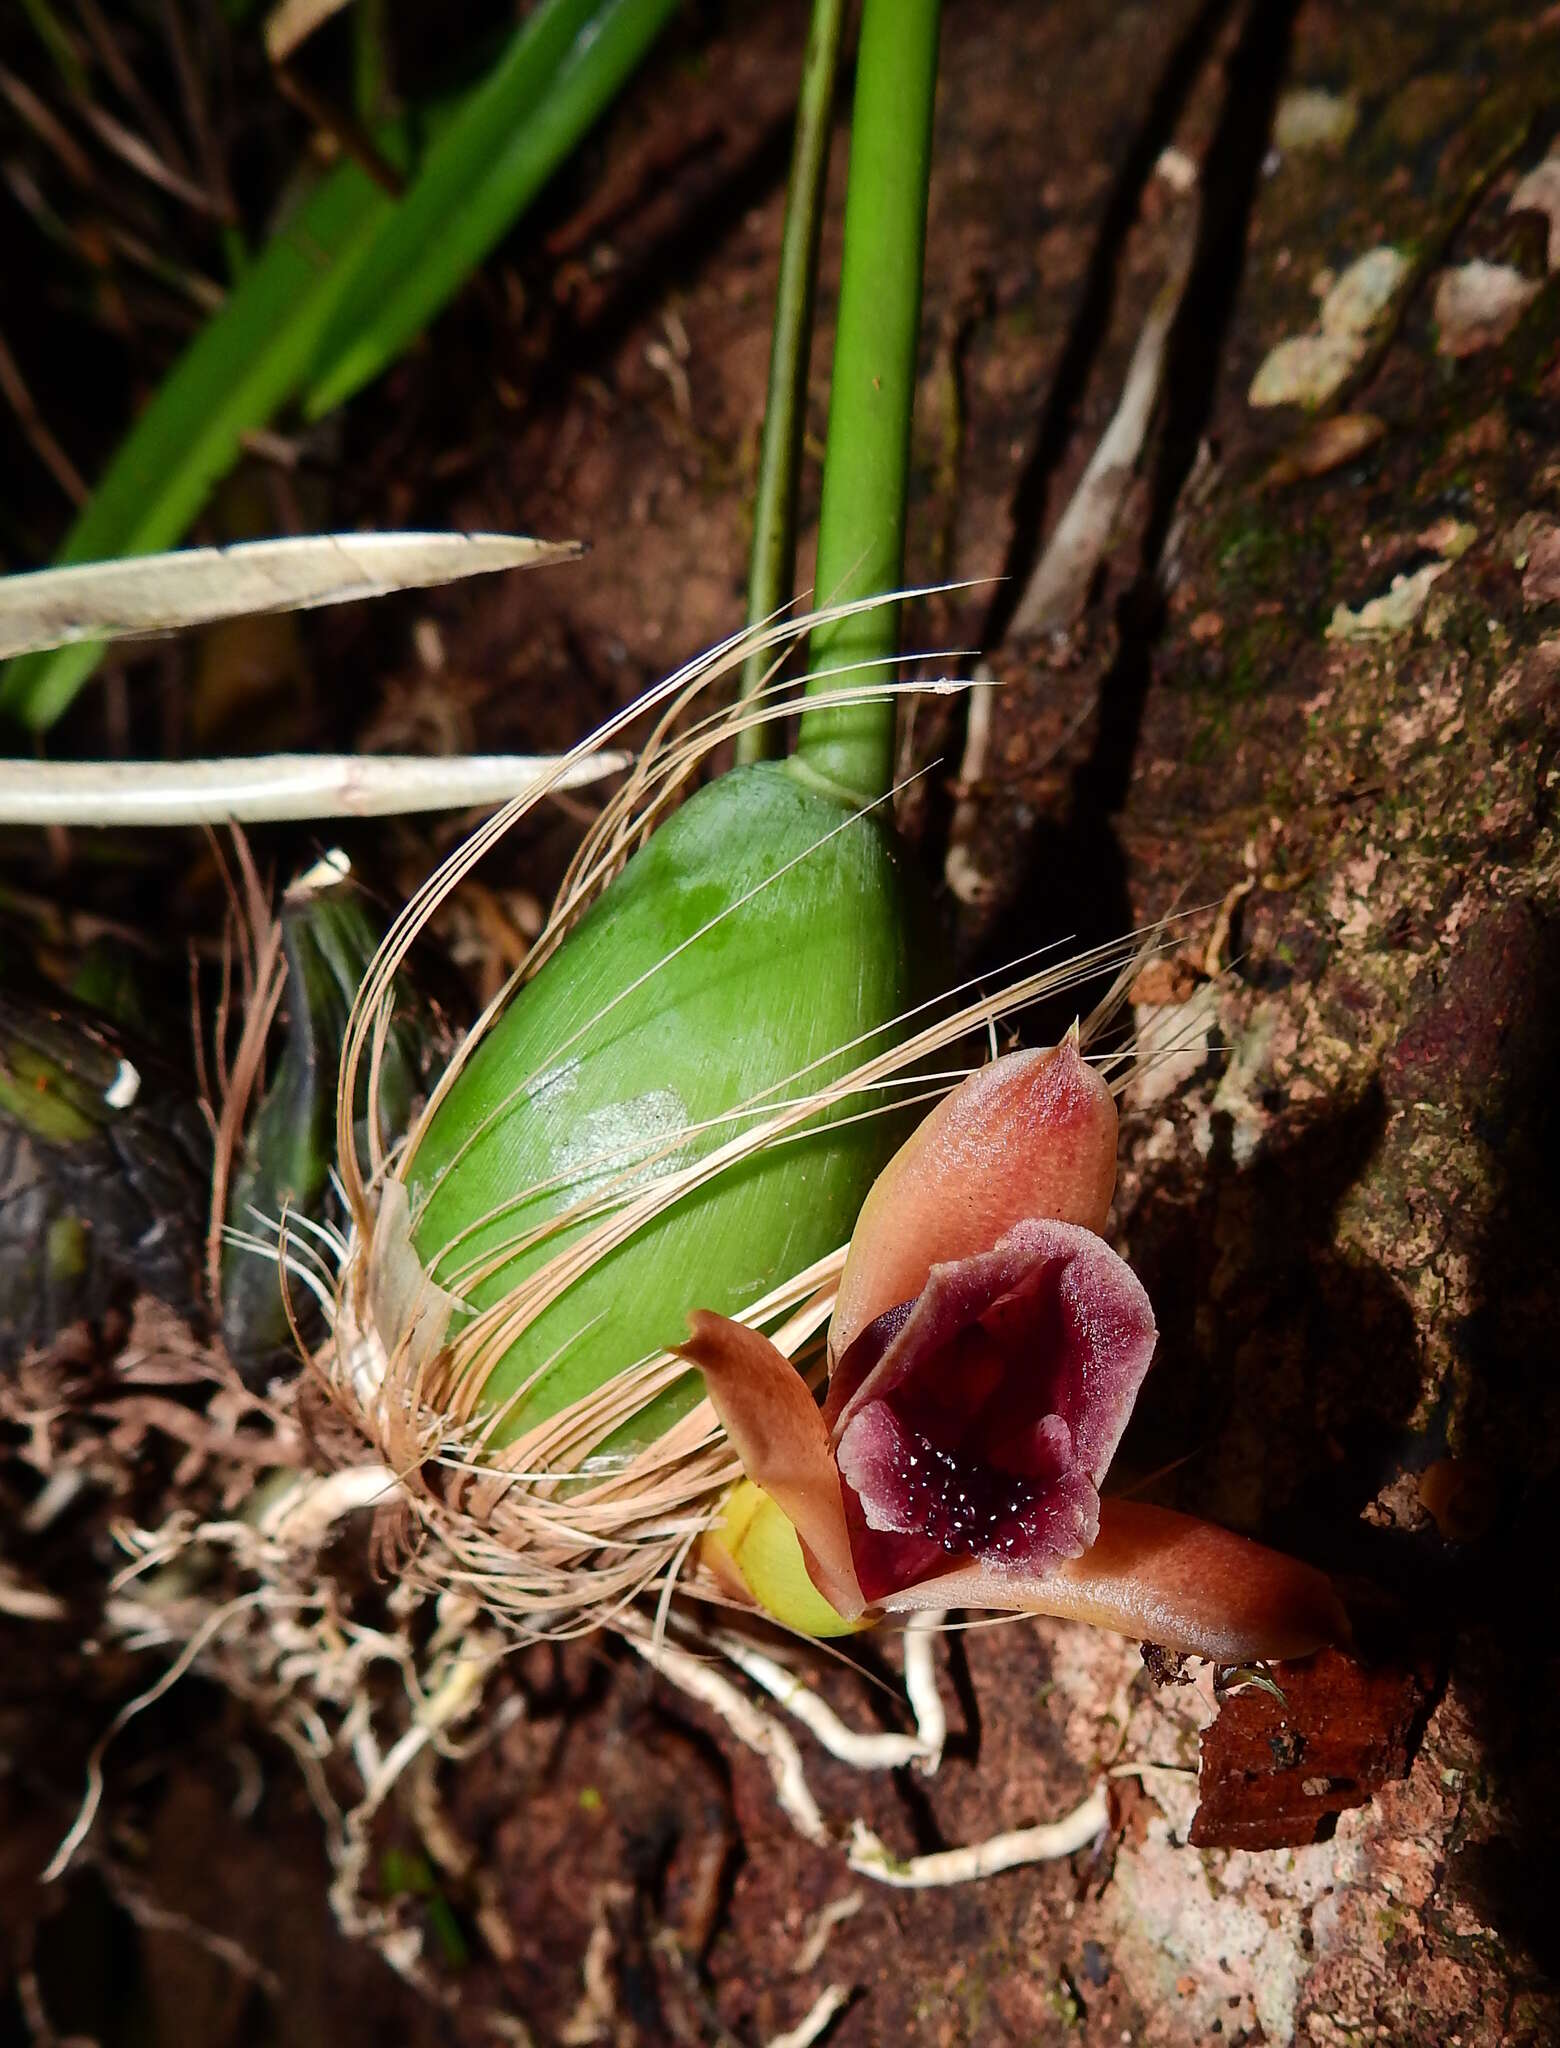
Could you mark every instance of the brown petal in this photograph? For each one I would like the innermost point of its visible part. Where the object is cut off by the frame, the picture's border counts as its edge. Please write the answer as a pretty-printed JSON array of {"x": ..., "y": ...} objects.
[
  {"x": 776, "y": 1430},
  {"x": 1170, "y": 1579},
  {"x": 1033, "y": 1134}
]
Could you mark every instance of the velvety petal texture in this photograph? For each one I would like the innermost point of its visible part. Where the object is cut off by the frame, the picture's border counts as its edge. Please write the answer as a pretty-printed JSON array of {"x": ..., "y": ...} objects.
[
  {"x": 986, "y": 1350},
  {"x": 980, "y": 1423}
]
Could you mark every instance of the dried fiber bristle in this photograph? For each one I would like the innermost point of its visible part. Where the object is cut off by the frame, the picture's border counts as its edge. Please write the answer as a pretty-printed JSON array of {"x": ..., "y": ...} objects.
[{"x": 554, "y": 1476}]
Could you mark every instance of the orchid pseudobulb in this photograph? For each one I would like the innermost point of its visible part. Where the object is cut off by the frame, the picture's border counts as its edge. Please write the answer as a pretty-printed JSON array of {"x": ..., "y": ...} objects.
[
  {"x": 986, "y": 1350},
  {"x": 644, "y": 1046}
]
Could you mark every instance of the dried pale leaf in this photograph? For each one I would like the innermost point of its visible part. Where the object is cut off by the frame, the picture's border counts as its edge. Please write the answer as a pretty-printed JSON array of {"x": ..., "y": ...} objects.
[
  {"x": 1363, "y": 293},
  {"x": 1277, "y": 1771},
  {"x": 157, "y": 593},
  {"x": 1308, "y": 369},
  {"x": 1309, "y": 118},
  {"x": 292, "y": 22},
  {"x": 1059, "y": 588},
  {"x": 1305, "y": 369},
  {"x": 277, "y": 786}
]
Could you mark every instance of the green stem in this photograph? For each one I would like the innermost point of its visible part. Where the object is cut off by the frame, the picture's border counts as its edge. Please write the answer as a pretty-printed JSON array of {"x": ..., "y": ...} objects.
[
  {"x": 785, "y": 410},
  {"x": 861, "y": 529}
]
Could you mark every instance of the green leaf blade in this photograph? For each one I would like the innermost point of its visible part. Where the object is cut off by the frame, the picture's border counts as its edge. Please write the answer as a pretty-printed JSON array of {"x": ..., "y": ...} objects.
[
  {"x": 559, "y": 75},
  {"x": 241, "y": 367}
]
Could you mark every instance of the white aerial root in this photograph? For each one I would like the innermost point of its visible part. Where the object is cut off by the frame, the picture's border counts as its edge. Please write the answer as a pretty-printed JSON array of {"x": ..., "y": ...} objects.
[
  {"x": 272, "y": 787},
  {"x": 834, "y": 1914},
  {"x": 866, "y": 1853},
  {"x": 81, "y": 1826},
  {"x": 301, "y": 1516},
  {"x": 289, "y": 1645},
  {"x": 1045, "y": 1843},
  {"x": 752, "y": 1727},
  {"x": 884, "y": 1751},
  {"x": 26, "y": 1602},
  {"x": 931, "y": 1723},
  {"x": 811, "y": 2027}
]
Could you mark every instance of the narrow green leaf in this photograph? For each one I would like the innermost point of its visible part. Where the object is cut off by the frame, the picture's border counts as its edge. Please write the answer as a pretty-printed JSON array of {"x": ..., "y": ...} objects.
[
  {"x": 561, "y": 72},
  {"x": 57, "y": 40},
  {"x": 238, "y": 370}
]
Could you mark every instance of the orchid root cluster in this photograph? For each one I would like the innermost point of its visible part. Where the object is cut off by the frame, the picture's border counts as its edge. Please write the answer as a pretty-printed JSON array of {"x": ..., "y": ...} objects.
[{"x": 984, "y": 1355}]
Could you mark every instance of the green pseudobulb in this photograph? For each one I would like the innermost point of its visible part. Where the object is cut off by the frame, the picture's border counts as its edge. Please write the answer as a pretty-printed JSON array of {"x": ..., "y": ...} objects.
[{"x": 819, "y": 945}]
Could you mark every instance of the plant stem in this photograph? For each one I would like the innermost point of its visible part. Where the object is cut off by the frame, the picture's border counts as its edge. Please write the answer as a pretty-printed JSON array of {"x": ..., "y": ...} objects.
[
  {"x": 866, "y": 464},
  {"x": 785, "y": 409}
]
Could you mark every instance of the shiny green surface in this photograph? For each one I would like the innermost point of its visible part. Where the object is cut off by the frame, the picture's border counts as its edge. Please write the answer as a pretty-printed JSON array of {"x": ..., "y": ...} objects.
[
  {"x": 866, "y": 469},
  {"x": 572, "y": 1085}
]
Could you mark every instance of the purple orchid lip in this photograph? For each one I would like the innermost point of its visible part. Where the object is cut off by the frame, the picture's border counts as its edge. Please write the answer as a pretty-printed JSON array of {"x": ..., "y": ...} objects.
[
  {"x": 985, "y": 1357},
  {"x": 976, "y": 1422}
]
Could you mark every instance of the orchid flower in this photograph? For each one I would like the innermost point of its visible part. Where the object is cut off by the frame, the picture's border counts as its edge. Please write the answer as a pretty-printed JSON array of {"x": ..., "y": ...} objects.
[{"x": 985, "y": 1352}]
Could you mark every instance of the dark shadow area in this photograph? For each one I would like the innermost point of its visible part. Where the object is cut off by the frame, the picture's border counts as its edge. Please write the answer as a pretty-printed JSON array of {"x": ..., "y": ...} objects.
[
  {"x": 685, "y": 1854},
  {"x": 662, "y": 242},
  {"x": 1096, "y": 302},
  {"x": 717, "y": 193},
  {"x": 883, "y": 1698},
  {"x": 1073, "y": 877},
  {"x": 963, "y": 1742},
  {"x": 554, "y": 1688},
  {"x": 1483, "y": 1046},
  {"x": 1287, "y": 1371},
  {"x": 1288, "y": 1393}
]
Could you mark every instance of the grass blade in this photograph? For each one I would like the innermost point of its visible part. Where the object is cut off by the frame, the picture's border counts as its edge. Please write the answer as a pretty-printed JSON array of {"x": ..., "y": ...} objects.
[
  {"x": 785, "y": 409},
  {"x": 239, "y": 369},
  {"x": 560, "y": 73},
  {"x": 339, "y": 291}
]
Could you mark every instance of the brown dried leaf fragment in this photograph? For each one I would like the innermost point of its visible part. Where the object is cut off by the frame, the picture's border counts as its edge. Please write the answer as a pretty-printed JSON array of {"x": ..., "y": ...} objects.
[{"x": 1274, "y": 1773}]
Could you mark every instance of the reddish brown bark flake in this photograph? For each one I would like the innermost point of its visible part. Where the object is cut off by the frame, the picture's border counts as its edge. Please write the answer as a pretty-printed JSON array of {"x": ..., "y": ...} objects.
[{"x": 1275, "y": 1772}]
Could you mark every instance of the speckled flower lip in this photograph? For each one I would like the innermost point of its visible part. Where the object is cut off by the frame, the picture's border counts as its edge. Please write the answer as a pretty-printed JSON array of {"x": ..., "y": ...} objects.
[{"x": 969, "y": 1423}]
